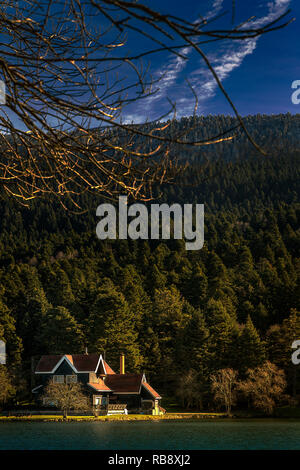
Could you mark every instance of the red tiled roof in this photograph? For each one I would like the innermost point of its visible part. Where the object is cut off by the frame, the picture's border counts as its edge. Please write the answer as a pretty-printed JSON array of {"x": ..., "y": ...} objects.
[
  {"x": 151, "y": 390},
  {"x": 86, "y": 362},
  {"x": 100, "y": 386},
  {"x": 81, "y": 362},
  {"x": 108, "y": 368},
  {"x": 47, "y": 363},
  {"x": 70, "y": 358},
  {"x": 118, "y": 383}
]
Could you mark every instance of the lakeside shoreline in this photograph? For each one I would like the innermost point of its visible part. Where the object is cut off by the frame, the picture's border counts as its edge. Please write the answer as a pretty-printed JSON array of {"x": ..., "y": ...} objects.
[
  {"x": 149, "y": 418},
  {"x": 167, "y": 416}
]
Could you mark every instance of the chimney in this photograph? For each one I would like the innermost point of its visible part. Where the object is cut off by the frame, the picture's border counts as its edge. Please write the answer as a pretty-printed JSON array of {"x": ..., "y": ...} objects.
[{"x": 122, "y": 363}]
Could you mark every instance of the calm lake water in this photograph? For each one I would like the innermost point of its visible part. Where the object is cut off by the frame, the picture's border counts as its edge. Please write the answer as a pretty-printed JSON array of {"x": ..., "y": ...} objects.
[{"x": 160, "y": 435}]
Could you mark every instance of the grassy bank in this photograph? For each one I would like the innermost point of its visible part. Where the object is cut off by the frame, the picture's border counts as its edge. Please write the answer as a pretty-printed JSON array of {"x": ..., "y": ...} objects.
[{"x": 167, "y": 416}]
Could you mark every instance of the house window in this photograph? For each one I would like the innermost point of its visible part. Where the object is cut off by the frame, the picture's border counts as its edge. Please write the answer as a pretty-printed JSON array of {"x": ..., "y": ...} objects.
[
  {"x": 58, "y": 379},
  {"x": 97, "y": 400},
  {"x": 71, "y": 379},
  {"x": 100, "y": 400}
]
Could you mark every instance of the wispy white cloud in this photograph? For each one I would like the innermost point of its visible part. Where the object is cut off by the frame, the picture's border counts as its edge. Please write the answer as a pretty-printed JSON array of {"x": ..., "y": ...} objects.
[
  {"x": 233, "y": 56},
  {"x": 167, "y": 75},
  {"x": 228, "y": 58},
  {"x": 215, "y": 9},
  {"x": 170, "y": 72}
]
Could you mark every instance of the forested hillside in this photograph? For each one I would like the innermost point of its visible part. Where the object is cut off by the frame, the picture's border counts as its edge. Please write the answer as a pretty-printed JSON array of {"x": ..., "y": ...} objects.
[
  {"x": 231, "y": 304},
  {"x": 275, "y": 134}
]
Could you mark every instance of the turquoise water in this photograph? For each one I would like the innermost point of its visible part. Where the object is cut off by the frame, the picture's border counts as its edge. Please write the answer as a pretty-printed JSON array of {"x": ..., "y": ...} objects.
[{"x": 160, "y": 435}]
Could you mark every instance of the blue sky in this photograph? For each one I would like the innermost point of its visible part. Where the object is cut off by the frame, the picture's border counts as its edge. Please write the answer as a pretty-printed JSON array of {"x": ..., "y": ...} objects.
[{"x": 257, "y": 73}]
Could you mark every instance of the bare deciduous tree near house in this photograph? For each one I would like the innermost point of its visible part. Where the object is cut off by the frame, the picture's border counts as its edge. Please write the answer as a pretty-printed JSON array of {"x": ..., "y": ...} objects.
[
  {"x": 69, "y": 84},
  {"x": 66, "y": 397},
  {"x": 224, "y": 384},
  {"x": 264, "y": 386}
]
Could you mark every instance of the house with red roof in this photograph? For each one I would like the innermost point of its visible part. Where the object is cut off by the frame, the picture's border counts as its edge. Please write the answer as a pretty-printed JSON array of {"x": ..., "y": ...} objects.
[{"x": 109, "y": 392}]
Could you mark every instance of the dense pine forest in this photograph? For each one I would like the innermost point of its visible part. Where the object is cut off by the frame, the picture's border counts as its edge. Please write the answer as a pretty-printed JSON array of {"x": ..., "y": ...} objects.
[
  {"x": 232, "y": 304},
  {"x": 275, "y": 133}
]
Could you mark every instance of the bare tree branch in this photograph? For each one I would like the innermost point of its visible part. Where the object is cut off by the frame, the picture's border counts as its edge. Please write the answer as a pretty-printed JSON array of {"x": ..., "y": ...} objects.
[{"x": 70, "y": 78}]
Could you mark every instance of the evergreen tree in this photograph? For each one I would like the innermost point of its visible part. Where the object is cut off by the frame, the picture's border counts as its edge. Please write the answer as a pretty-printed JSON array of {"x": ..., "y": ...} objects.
[
  {"x": 252, "y": 350},
  {"x": 59, "y": 333},
  {"x": 112, "y": 328}
]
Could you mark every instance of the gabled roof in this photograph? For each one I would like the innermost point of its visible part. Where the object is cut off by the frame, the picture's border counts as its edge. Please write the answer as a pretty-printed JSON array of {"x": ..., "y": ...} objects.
[
  {"x": 86, "y": 362},
  {"x": 151, "y": 390},
  {"x": 108, "y": 369},
  {"x": 78, "y": 362},
  {"x": 99, "y": 386},
  {"x": 47, "y": 363},
  {"x": 124, "y": 383}
]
